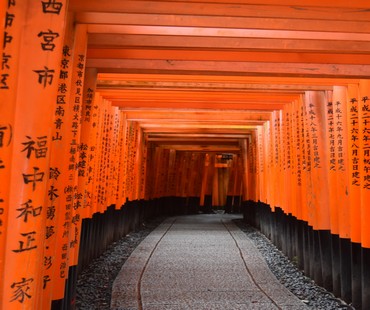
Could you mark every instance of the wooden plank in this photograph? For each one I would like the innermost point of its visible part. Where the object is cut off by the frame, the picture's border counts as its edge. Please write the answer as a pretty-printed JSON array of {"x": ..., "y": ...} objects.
[
  {"x": 202, "y": 140},
  {"x": 207, "y": 95},
  {"x": 220, "y": 43},
  {"x": 181, "y": 126},
  {"x": 232, "y": 68},
  {"x": 225, "y": 32},
  {"x": 198, "y": 143},
  {"x": 179, "y": 20},
  {"x": 199, "y": 131},
  {"x": 245, "y": 106},
  {"x": 185, "y": 115},
  {"x": 220, "y": 9},
  {"x": 202, "y": 148},
  {"x": 195, "y": 123},
  {"x": 197, "y": 135},
  {"x": 300, "y": 3},
  {"x": 206, "y": 55},
  {"x": 199, "y": 78}
]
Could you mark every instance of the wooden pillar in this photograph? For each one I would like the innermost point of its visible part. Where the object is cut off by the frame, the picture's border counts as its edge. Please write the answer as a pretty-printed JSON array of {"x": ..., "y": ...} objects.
[
  {"x": 78, "y": 72},
  {"x": 297, "y": 155},
  {"x": 260, "y": 164},
  {"x": 244, "y": 155},
  {"x": 87, "y": 144},
  {"x": 267, "y": 163},
  {"x": 342, "y": 184},
  {"x": 143, "y": 166},
  {"x": 285, "y": 164},
  {"x": 171, "y": 181},
  {"x": 204, "y": 180},
  {"x": 11, "y": 30},
  {"x": 59, "y": 205},
  {"x": 354, "y": 190},
  {"x": 253, "y": 166},
  {"x": 122, "y": 160},
  {"x": 299, "y": 202},
  {"x": 274, "y": 160},
  {"x": 331, "y": 162},
  {"x": 319, "y": 200},
  {"x": 364, "y": 143},
  {"x": 31, "y": 120},
  {"x": 305, "y": 164}
]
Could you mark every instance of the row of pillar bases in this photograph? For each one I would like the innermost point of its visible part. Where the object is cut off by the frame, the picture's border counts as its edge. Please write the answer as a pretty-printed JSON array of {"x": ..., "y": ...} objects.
[{"x": 339, "y": 265}]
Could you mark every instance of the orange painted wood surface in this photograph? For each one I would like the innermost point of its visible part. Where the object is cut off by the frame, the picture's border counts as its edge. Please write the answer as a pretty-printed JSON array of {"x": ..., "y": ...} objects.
[
  {"x": 8, "y": 90},
  {"x": 33, "y": 107},
  {"x": 343, "y": 178},
  {"x": 315, "y": 105},
  {"x": 364, "y": 148},
  {"x": 129, "y": 100},
  {"x": 354, "y": 171}
]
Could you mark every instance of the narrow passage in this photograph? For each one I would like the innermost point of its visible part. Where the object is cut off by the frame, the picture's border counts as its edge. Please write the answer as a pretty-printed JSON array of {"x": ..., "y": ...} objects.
[{"x": 199, "y": 262}]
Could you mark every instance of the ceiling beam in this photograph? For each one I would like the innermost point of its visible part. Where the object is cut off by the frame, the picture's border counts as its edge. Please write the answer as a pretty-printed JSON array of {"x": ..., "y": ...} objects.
[
  {"x": 209, "y": 136},
  {"x": 231, "y": 68},
  {"x": 233, "y": 9},
  {"x": 225, "y": 116},
  {"x": 193, "y": 140},
  {"x": 140, "y": 78},
  {"x": 247, "y": 106},
  {"x": 116, "y": 40},
  {"x": 226, "y": 32},
  {"x": 181, "y": 20},
  {"x": 197, "y": 96},
  {"x": 219, "y": 55},
  {"x": 202, "y": 148},
  {"x": 202, "y": 131}
]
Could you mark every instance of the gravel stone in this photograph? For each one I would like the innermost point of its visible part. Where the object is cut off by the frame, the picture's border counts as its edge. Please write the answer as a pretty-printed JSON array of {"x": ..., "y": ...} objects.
[
  {"x": 314, "y": 296},
  {"x": 94, "y": 285}
]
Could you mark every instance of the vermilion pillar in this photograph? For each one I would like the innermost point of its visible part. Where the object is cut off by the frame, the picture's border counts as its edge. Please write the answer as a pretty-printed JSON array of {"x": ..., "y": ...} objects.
[
  {"x": 244, "y": 152},
  {"x": 59, "y": 203},
  {"x": 332, "y": 164},
  {"x": 364, "y": 148},
  {"x": 35, "y": 92},
  {"x": 11, "y": 30},
  {"x": 85, "y": 161},
  {"x": 354, "y": 189},
  {"x": 318, "y": 198},
  {"x": 342, "y": 185}
]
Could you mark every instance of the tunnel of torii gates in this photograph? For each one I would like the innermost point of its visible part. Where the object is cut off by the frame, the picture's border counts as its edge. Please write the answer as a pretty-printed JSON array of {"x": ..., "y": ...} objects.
[{"x": 103, "y": 123}]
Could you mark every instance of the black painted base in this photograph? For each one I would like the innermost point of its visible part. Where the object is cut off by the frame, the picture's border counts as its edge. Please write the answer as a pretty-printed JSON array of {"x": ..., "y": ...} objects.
[
  {"x": 345, "y": 270},
  {"x": 356, "y": 275},
  {"x": 335, "y": 248},
  {"x": 316, "y": 258},
  {"x": 365, "y": 263},
  {"x": 306, "y": 248},
  {"x": 57, "y": 304},
  {"x": 326, "y": 259}
]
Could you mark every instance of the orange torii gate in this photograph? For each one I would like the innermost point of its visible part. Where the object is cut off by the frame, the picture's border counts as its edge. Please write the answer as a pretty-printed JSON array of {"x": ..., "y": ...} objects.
[{"x": 77, "y": 144}]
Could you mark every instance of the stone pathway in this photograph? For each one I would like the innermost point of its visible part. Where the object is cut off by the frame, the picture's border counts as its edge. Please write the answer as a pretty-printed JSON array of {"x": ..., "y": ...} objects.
[{"x": 199, "y": 262}]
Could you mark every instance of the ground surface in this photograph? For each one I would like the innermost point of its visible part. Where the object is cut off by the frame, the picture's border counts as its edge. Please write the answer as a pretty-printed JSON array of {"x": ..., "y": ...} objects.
[{"x": 95, "y": 283}]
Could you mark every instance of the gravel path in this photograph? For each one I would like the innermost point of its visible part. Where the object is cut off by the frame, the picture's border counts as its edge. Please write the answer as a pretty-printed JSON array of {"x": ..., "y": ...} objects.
[
  {"x": 94, "y": 285},
  {"x": 289, "y": 275}
]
